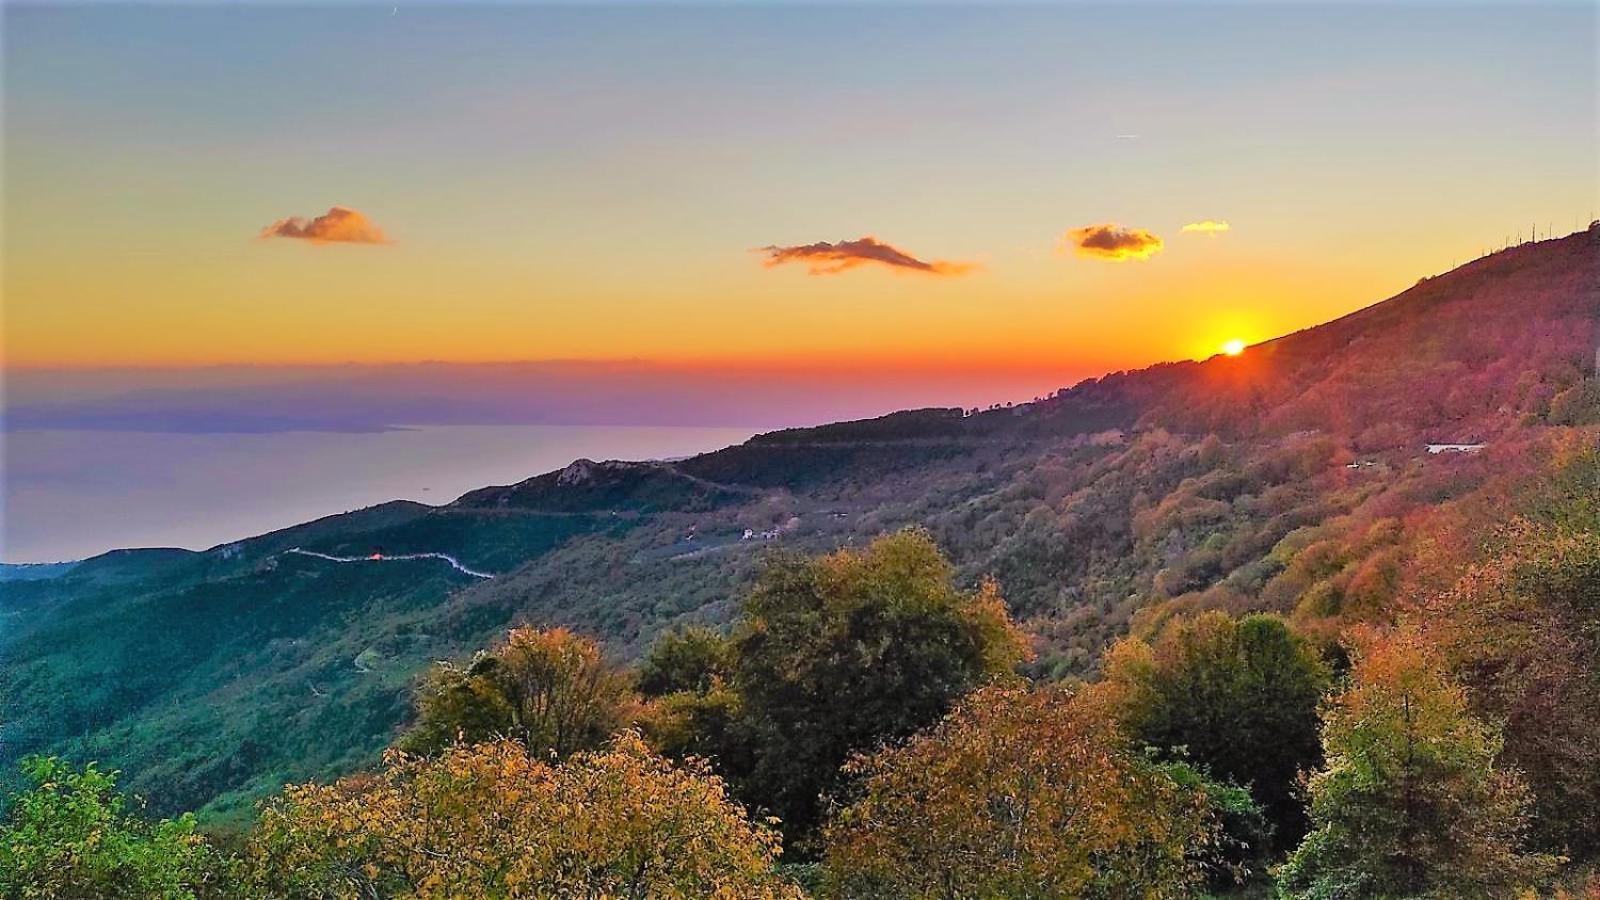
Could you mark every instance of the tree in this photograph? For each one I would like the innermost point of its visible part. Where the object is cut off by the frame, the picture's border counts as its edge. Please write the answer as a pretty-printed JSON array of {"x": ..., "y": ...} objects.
[
  {"x": 710, "y": 724},
  {"x": 1410, "y": 802},
  {"x": 694, "y": 710},
  {"x": 839, "y": 653},
  {"x": 552, "y": 690},
  {"x": 1577, "y": 405},
  {"x": 1521, "y": 632},
  {"x": 1018, "y": 793},
  {"x": 73, "y": 835},
  {"x": 1239, "y": 696},
  {"x": 494, "y": 820},
  {"x": 1241, "y": 847},
  {"x": 686, "y": 659}
]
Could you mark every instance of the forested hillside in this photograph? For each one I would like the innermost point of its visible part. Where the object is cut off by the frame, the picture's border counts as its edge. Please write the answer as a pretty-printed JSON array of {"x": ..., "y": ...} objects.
[{"x": 1295, "y": 478}]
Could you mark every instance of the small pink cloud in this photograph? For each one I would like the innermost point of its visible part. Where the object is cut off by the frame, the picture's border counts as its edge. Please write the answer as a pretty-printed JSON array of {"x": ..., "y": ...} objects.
[{"x": 339, "y": 225}]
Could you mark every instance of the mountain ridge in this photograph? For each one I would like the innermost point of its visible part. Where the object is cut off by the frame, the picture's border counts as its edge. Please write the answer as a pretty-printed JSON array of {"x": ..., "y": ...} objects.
[
  {"x": 947, "y": 422},
  {"x": 1290, "y": 478}
]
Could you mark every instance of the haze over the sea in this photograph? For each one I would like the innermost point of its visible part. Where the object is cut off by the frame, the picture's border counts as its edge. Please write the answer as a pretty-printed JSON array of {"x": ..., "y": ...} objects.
[{"x": 71, "y": 494}]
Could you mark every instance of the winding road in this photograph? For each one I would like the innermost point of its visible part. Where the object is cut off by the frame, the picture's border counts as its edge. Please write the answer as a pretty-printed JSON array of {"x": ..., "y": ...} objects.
[{"x": 454, "y": 563}]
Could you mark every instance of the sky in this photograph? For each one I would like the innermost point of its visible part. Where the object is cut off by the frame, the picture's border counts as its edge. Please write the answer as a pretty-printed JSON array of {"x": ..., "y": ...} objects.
[{"x": 788, "y": 187}]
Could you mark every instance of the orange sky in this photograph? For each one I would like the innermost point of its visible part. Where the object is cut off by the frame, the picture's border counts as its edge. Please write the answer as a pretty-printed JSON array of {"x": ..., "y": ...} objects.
[{"x": 530, "y": 183}]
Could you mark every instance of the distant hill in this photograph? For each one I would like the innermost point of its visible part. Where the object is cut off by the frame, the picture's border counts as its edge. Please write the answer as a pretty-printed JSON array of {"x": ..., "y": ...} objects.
[
  {"x": 588, "y": 486},
  {"x": 1293, "y": 477},
  {"x": 33, "y": 571}
]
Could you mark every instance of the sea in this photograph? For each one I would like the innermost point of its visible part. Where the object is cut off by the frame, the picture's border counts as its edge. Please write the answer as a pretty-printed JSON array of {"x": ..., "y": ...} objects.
[{"x": 70, "y": 495}]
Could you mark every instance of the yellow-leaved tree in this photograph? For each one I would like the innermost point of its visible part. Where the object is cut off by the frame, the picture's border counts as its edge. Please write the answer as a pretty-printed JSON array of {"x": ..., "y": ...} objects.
[
  {"x": 491, "y": 820},
  {"x": 1412, "y": 801},
  {"x": 551, "y": 689},
  {"x": 1018, "y": 793}
]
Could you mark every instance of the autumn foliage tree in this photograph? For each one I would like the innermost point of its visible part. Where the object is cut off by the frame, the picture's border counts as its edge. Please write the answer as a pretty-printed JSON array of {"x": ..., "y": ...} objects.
[
  {"x": 552, "y": 690},
  {"x": 1411, "y": 802},
  {"x": 493, "y": 820},
  {"x": 1018, "y": 793},
  {"x": 1521, "y": 631}
]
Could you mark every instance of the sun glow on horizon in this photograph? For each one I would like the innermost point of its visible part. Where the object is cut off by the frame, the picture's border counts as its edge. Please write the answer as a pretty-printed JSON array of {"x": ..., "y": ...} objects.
[
  {"x": 647, "y": 244},
  {"x": 1233, "y": 347}
]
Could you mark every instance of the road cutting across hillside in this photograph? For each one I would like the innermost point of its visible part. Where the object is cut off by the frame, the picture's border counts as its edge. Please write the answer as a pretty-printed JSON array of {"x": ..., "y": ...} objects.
[{"x": 382, "y": 557}]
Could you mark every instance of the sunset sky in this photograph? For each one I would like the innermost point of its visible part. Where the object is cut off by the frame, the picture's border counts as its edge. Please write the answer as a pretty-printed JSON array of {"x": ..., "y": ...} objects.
[{"x": 698, "y": 184}]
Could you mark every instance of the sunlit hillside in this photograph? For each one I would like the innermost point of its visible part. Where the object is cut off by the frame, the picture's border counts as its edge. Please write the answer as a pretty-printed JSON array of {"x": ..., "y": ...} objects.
[{"x": 1294, "y": 477}]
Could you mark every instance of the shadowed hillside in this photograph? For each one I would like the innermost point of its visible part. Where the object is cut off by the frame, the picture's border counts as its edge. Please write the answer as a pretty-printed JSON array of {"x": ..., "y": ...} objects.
[{"x": 1294, "y": 477}]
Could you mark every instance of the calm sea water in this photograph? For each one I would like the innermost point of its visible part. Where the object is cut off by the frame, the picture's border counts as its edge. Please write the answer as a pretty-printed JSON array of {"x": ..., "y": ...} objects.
[{"x": 72, "y": 494}]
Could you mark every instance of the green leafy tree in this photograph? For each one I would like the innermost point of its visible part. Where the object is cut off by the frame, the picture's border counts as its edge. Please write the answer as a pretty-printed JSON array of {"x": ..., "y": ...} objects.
[
  {"x": 73, "y": 835},
  {"x": 710, "y": 724},
  {"x": 1238, "y": 696},
  {"x": 694, "y": 710},
  {"x": 838, "y": 653},
  {"x": 1410, "y": 802},
  {"x": 552, "y": 690},
  {"x": 1241, "y": 849},
  {"x": 685, "y": 659},
  {"x": 1023, "y": 794}
]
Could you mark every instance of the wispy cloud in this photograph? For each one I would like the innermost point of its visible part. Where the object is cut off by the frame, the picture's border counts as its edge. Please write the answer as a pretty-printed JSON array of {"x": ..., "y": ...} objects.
[
  {"x": 823, "y": 258},
  {"x": 1111, "y": 241},
  {"x": 340, "y": 224},
  {"x": 1206, "y": 227}
]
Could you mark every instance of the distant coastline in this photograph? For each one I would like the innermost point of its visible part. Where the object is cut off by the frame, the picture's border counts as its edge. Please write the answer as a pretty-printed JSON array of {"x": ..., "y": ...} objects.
[
  {"x": 72, "y": 495},
  {"x": 35, "y": 571}
]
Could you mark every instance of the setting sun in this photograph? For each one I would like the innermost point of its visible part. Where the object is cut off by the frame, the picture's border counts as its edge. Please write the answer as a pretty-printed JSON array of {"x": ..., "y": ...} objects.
[{"x": 1233, "y": 347}]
